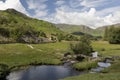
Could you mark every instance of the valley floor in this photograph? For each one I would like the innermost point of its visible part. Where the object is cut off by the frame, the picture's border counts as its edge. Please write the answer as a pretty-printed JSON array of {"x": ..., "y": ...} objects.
[{"x": 51, "y": 53}]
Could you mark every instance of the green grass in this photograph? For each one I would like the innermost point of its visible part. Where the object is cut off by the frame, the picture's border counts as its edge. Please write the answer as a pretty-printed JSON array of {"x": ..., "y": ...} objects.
[
  {"x": 97, "y": 76},
  {"x": 14, "y": 25},
  {"x": 51, "y": 53},
  {"x": 106, "y": 49},
  {"x": 21, "y": 54},
  {"x": 85, "y": 65}
]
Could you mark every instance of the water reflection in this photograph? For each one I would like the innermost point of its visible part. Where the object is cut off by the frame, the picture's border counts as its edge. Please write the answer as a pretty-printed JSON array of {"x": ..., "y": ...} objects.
[{"x": 43, "y": 73}]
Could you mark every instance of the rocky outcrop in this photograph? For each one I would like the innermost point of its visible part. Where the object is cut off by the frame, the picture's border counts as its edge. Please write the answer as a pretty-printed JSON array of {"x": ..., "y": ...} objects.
[
  {"x": 25, "y": 39},
  {"x": 32, "y": 39},
  {"x": 29, "y": 39},
  {"x": 5, "y": 40}
]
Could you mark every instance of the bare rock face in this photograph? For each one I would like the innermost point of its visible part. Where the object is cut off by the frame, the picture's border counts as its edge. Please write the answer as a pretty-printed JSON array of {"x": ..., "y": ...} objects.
[
  {"x": 32, "y": 39},
  {"x": 25, "y": 39},
  {"x": 5, "y": 40}
]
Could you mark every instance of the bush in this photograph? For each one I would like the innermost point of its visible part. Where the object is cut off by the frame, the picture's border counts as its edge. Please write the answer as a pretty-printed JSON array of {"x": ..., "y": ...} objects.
[
  {"x": 83, "y": 47},
  {"x": 4, "y": 70},
  {"x": 85, "y": 65}
]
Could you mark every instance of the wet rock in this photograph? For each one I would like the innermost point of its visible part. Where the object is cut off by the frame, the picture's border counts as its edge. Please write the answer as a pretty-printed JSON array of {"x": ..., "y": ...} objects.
[{"x": 104, "y": 65}]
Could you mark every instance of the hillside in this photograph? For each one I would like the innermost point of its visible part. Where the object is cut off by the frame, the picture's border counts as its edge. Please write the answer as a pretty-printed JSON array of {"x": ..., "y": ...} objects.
[
  {"x": 79, "y": 29},
  {"x": 101, "y": 29},
  {"x": 17, "y": 27}
]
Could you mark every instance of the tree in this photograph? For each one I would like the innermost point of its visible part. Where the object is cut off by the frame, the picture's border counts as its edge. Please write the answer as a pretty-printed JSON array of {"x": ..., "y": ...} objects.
[
  {"x": 106, "y": 34},
  {"x": 83, "y": 47},
  {"x": 114, "y": 35}
]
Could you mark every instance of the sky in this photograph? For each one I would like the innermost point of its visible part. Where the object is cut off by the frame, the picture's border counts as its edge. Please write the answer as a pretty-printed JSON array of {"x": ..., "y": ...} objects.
[{"x": 92, "y": 13}]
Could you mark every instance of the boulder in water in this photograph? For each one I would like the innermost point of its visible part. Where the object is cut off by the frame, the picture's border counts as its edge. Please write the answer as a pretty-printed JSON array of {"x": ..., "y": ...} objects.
[{"x": 104, "y": 65}]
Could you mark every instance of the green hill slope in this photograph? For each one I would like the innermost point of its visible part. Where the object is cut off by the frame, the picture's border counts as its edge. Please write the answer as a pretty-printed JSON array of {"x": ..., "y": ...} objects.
[
  {"x": 81, "y": 29},
  {"x": 101, "y": 29},
  {"x": 17, "y": 27},
  {"x": 78, "y": 29}
]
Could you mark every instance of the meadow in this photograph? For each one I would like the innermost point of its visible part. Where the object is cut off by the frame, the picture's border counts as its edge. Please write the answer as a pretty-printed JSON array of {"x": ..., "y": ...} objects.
[
  {"x": 18, "y": 54},
  {"x": 106, "y": 49},
  {"x": 48, "y": 53},
  {"x": 22, "y": 54}
]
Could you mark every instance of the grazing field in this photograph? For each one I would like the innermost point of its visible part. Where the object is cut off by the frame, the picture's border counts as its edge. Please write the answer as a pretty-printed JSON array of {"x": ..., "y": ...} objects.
[
  {"x": 49, "y": 53},
  {"x": 24, "y": 54},
  {"x": 106, "y": 49}
]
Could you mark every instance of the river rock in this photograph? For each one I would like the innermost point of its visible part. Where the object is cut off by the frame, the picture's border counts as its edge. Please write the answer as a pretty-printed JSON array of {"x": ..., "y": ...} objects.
[{"x": 104, "y": 65}]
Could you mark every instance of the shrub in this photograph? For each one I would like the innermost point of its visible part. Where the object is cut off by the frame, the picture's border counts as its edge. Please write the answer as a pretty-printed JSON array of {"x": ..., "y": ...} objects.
[
  {"x": 85, "y": 65},
  {"x": 83, "y": 47}
]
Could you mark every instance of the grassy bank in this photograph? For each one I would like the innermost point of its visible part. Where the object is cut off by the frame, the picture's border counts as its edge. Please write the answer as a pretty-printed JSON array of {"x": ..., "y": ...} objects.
[
  {"x": 22, "y": 54},
  {"x": 85, "y": 65},
  {"x": 112, "y": 73},
  {"x": 97, "y": 76},
  {"x": 106, "y": 49}
]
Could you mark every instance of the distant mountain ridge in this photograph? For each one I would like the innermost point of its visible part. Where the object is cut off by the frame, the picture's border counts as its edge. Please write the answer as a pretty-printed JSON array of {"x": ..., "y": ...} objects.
[
  {"x": 78, "y": 29},
  {"x": 103, "y": 27},
  {"x": 84, "y": 29}
]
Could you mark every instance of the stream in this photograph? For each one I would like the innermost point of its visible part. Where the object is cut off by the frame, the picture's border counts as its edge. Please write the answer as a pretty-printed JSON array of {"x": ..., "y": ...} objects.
[
  {"x": 44, "y": 72},
  {"x": 50, "y": 72}
]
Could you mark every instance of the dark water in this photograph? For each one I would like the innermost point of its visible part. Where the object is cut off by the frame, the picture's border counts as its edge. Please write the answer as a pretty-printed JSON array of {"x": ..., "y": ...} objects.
[{"x": 43, "y": 73}]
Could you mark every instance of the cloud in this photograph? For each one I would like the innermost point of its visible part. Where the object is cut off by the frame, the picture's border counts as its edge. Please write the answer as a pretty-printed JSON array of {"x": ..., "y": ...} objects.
[
  {"x": 39, "y": 13},
  {"x": 84, "y": 12},
  {"x": 15, "y": 4},
  {"x": 107, "y": 11},
  {"x": 60, "y": 2},
  {"x": 36, "y": 4},
  {"x": 94, "y": 3},
  {"x": 75, "y": 4},
  {"x": 39, "y": 7},
  {"x": 89, "y": 18}
]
